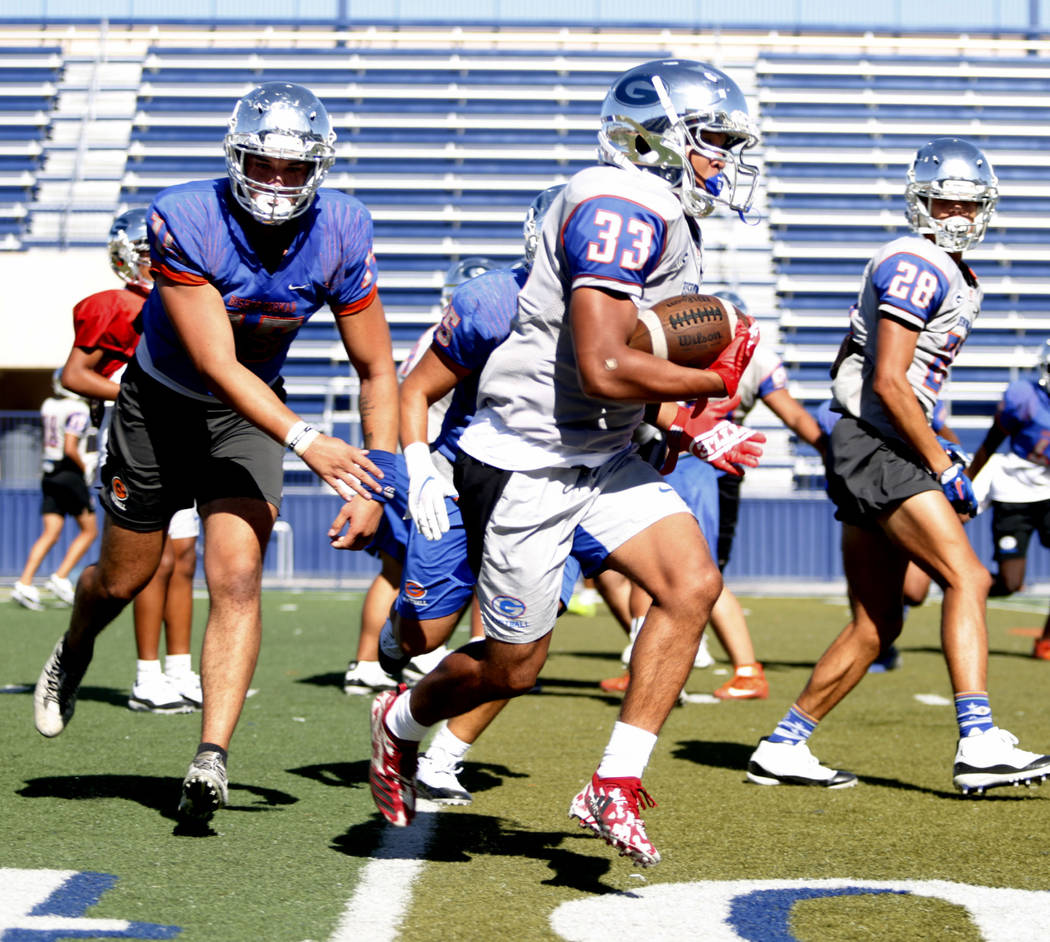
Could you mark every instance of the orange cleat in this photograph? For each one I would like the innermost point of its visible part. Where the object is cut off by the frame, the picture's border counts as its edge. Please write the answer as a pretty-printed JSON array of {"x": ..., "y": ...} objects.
[
  {"x": 748, "y": 683},
  {"x": 616, "y": 684},
  {"x": 1042, "y": 649}
]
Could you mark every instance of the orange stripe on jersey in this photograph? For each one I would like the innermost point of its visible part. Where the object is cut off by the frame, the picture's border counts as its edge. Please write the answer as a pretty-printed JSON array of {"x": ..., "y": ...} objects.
[
  {"x": 179, "y": 277},
  {"x": 355, "y": 306}
]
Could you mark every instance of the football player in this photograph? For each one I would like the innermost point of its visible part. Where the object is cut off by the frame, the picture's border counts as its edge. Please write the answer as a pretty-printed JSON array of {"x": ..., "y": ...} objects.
[
  {"x": 239, "y": 264},
  {"x": 898, "y": 492},
  {"x": 68, "y": 464},
  {"x": 548, "y": 455},
  {"x": 107, "y": 326},
  {"x": 1019, "y": 486}
]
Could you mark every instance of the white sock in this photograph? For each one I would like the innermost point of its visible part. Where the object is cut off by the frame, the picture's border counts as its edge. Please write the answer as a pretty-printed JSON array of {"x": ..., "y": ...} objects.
[
  {"x": 448, "y": 742},
  {"x": 636, "y": 626},
  {"x": 588, "y": 596},
  {"x": 401, "y": 722},
  {"x": 628, "y": 752},
  {"x": 175, "y": 665},
  {"x": 145, "y": 669}
]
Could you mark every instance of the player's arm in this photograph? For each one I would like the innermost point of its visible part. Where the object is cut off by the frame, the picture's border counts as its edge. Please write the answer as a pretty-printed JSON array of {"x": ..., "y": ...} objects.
[
  {"x": 602, "y": 321},
  {"x": 199, "y": 317},
  {"x": 80, "y": 375},
  {"x": 366, "y": 339},
  {"x": 896, "y": 350},
  {"x": 791, "y": 412},
  {"x": 992, "y": 440}
]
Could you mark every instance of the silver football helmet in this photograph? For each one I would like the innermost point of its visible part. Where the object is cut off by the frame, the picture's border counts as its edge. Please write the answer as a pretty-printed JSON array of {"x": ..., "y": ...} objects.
[
  {"x": 128, "y": 245},
  {"x": 58, "y": 390},
  {"x": 464, "y": 270},
  {"x": 653, "y": 117},
  {"x": 534, "y": 217},
  {"x": 279, "y": 121},
  {"x": 951, "y": 169}
]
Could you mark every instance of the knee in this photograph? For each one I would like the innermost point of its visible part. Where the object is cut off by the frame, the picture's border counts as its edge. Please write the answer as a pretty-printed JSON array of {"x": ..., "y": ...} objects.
[
  {"x": 510, "y": 680},
  {"x": 692, "y": 591}
]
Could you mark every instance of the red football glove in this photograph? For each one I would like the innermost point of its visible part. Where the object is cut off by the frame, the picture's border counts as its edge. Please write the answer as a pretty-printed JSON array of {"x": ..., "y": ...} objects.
[
  {"x": 711, "y": 438},
  {"x": 731, "y": 362}
]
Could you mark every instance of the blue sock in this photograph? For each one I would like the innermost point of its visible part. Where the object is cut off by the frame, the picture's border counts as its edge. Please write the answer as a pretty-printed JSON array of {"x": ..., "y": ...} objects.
[
  {"x": 972, "y": 713},
  {"x": 796, "y": 726}
]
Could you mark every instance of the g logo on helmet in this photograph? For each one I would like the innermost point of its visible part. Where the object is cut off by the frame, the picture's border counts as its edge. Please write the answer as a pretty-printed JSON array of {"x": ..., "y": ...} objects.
[
  {"x": 508, "y": 606},
  {"x": 636, "y": 91}
]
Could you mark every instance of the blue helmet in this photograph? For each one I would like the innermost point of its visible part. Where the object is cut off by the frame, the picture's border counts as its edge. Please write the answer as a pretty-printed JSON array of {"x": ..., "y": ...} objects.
[
  {"x": 464, "y": 270},
  {"x": 534, "y": 217},
  {"x": 652, "y": 119}
]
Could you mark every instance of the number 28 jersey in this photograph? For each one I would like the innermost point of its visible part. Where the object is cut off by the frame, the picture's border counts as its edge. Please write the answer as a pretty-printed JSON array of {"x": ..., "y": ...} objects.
[
  {"x": 609, "y": 228},
  {"x": 917, "y": 283}
]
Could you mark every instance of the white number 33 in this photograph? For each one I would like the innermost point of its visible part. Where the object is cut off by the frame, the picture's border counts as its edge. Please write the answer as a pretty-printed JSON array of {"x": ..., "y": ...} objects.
[{"x": 639, "y": 239}]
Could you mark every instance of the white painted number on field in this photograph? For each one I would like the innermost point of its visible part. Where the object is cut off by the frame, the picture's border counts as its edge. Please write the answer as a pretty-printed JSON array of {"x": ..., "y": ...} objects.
[{"x": 760, "y": 910}]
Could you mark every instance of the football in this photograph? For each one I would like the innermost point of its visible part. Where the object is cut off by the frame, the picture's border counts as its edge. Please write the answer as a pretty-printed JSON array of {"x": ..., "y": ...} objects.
[{"x": 690, "y": 330}]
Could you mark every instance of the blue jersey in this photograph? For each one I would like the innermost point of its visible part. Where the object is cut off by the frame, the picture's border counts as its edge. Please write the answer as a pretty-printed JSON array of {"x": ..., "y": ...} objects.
[
  {"x": 1024, "y": 414},
  {"x": 476, "y": 321},
  {"x": 196, "y": 238}
]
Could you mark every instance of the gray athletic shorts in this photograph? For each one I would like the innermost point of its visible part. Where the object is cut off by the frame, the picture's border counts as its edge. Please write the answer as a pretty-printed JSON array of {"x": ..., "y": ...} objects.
[
  {"x": 521, "y": 526},
  {"x": 869, "y": 476},
  {"x": 167, "y": 451}
]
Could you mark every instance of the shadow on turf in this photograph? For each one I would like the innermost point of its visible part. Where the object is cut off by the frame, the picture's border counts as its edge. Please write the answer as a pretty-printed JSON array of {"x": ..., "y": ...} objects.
[
  {"x": 471, "y": 835},
  {"x": 156, "y": 792},
  {"x": 476, "y": 776}
]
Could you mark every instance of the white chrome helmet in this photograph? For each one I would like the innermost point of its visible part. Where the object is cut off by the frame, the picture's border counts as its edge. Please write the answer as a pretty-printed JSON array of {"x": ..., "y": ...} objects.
[
  {"x": 652, "y": 119},
  {"x": 280, "y": 121},
  {"x": 534, "y": 217},
  {"x": 128, "y": 245},
  {"x": 58, "y": 390},
  {"x": 952, "y": 169},
  {"x": 464, "y": 270}
]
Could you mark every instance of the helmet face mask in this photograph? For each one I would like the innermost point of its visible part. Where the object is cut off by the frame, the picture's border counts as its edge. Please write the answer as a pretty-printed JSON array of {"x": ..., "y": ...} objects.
[
  {"x": 653, "y": 119},
  {"x": 128, "y": 246},
  {"x": 59, "y": 391},
  {"x": 948, "y": 168},
  {"x": 464, "y": 270},
  {"x": 534, "y": 217},
  {"x": 278, "y": 121}
]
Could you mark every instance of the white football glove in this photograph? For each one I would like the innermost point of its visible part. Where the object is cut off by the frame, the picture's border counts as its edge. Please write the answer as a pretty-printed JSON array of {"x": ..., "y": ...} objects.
[{"x": 427, "y": 491}]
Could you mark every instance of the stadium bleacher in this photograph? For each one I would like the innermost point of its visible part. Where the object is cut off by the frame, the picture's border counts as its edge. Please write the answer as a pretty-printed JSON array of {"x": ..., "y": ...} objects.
[{"x": 447, "y": 136}]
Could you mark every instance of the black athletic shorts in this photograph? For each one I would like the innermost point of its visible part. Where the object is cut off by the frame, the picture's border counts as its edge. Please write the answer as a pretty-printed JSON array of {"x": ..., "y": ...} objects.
[
  {"x": 869, "y": 476},
  {"x": 1012, "y": 526},
  {"x": 167, "y": 451},
  {"x": 65, "y": 492}
]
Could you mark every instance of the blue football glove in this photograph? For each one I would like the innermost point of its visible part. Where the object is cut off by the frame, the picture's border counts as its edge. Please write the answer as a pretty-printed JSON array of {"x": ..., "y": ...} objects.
[
  {"x": 954, "y": 451},
  {"x": 958, "y": 489}
]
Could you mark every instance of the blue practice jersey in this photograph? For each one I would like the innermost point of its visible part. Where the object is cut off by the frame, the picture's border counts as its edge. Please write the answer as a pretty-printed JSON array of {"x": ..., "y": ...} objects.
[
  {"x": 195, "y": 238},
  {"x": 477, "y": 320},
  {"x": 1024, "y": 414}
]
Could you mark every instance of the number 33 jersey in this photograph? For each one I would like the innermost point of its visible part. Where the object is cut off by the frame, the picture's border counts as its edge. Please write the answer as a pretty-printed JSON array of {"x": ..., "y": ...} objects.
[
  {"x": 919, "y": 285},
  {"x": 609, "y": 228}
]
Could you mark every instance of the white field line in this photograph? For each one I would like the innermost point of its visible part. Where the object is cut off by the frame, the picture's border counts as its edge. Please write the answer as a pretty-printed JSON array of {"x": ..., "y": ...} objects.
[{"x": 384, "y": 892}]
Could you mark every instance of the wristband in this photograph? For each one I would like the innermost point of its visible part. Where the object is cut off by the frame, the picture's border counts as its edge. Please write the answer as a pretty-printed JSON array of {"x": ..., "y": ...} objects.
[
  {"x": 300, "y": 437},
  {"x": 386, "y": 461}
]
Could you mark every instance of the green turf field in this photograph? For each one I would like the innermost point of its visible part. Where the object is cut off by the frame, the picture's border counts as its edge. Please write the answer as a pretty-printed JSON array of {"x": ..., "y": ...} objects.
[{"x": 90, "y": 842}]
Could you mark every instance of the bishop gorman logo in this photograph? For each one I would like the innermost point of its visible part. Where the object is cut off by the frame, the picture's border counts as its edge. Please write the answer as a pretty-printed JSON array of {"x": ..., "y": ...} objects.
[{"x": 119, "y": 491}]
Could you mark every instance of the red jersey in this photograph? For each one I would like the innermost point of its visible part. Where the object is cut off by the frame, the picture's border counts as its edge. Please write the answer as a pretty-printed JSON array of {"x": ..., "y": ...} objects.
[{"x": 110, "y": 321}]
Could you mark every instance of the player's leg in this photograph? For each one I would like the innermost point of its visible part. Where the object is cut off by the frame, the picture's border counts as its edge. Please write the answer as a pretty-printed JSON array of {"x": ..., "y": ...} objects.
[
  {"x": 50, "y": 530},
  {"x": 87, "y": 525},
  {"x": 178, "y": 608},
  {"x": 1012, "y": 526},
  {"x": 364, "y": 674},
  {"x": 730, "y": 626},
  {"x": 1042, "y": 644},
  {"x": 615, "y": 589}
]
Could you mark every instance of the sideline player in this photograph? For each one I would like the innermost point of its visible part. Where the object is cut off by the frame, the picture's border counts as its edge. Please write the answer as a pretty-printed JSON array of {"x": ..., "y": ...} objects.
[
  {"x": 239, "y": 264},
  {"x": 549, "y": 451},
  {"x": 898, "y": 493},
  {"x": 107, "y": 326},
  {"x": 67, "y": 465},
  {"x": 1020, "y": 483}
]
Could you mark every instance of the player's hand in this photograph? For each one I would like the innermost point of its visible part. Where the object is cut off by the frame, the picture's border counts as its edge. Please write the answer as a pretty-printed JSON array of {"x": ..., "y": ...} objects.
[
  {"x": 688, "y": 424},
  {"x": 344, "y": 468},
  {"x": 730, "y": 364},
  {"x": 97, "y": 411},
  {"x": 361, "y": 519},
  {"x": 427, "y": 491},
  {"x": 729, "y": 447},
  {"x": 954, "y": 451},
  {"x": 959, "y": 490}
]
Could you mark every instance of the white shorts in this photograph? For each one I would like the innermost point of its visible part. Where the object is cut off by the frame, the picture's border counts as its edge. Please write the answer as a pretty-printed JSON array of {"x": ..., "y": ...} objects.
[
  {"x": 534, "y": 523},
  {"x": 185, "y": 524}
]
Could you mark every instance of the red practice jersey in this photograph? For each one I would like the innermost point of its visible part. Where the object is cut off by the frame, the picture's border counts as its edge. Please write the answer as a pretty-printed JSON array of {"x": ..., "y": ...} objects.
[{"x": 110, "y": 321}]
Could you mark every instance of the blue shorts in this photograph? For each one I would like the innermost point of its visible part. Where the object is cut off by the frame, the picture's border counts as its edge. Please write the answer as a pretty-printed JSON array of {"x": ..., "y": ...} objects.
[
  {"x": 438, "y": 580},
  {"x": 697, "y": 484}
]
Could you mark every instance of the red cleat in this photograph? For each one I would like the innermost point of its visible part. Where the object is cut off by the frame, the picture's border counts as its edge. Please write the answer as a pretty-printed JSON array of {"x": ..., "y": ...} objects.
[{"x": 392, "y": 773}]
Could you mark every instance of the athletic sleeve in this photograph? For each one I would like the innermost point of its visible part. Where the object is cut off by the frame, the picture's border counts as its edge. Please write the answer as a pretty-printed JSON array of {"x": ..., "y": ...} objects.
[
  {"x": 909, "y": 288},
  {"x": 175, "y": 251},
  {"x": 90, "y": 320},
  {"x": 356, "y": 284}
]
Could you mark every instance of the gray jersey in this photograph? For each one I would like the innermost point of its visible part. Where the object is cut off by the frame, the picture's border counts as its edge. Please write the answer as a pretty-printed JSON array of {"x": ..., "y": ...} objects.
[
  {"x": 917, "y": 283},
  {"x": 609, "y": 228}
]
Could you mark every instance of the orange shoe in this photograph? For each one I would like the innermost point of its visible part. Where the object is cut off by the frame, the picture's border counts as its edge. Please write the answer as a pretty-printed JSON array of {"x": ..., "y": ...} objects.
[
  {"x": 616, "y": 684},
  {"x": 1042, "y": 649},
  {"x": 748, "y": 683}
]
